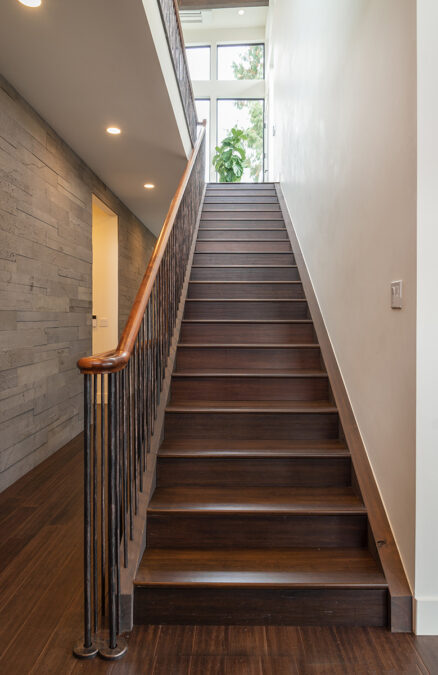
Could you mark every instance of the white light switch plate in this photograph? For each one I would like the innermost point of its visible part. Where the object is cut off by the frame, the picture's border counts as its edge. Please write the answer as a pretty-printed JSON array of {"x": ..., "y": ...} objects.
[
  {"x": 397, "y": 294},
  {"x": 103, "y": 323}
]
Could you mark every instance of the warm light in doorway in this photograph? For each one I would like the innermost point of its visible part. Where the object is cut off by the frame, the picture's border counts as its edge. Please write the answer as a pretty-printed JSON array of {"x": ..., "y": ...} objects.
[
  {"x": 114, "y": 131},
  {"x": 31, "y": 3},
  {"x": 149, "y": 186}
]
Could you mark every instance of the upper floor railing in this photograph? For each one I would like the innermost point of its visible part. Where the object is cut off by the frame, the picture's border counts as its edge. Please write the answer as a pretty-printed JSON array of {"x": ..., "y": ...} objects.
[
  {"x": 172, "y": 25},
  {"x": 118, "y": 431}
]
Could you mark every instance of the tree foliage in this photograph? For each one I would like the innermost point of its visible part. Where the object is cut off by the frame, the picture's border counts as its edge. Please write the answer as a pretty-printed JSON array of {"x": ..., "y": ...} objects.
[
  {"x": 230, "y": 157},
  {"x": 250, "y": 66}
]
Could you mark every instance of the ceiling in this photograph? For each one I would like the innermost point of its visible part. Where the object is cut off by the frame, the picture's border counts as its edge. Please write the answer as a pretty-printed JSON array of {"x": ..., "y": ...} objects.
[
  {"x": 88, "y": 64},
  {"x": 214, "y": 4},
  {"x": 211, "y": 19}
]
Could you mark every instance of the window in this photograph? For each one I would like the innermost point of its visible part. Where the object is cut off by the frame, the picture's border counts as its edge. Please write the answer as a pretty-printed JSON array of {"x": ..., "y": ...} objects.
[
  {"x": 248, "y": 115},
  {"x": 203, "y": 111},
  {"x": 241, "y": 62},
  {"x": 198, "y": 59}
]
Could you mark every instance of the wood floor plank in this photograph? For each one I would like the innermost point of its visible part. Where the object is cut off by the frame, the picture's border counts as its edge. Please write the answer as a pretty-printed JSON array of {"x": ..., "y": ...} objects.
[{"x": 51, "y": 651}]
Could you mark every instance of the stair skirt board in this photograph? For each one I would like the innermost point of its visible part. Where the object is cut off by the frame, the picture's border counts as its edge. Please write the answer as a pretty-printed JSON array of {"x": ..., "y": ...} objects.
[{"x": 256, "y": 517}]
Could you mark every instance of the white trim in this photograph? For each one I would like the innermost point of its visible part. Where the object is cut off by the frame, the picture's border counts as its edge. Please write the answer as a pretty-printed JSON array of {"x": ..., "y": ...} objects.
[{"x": 426, "y": 616}]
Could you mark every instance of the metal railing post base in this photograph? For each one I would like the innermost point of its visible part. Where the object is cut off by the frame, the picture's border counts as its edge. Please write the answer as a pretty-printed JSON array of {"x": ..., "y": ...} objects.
[
  {"x": 83, "y": 652},
  {"x": 113, "y": 654}
]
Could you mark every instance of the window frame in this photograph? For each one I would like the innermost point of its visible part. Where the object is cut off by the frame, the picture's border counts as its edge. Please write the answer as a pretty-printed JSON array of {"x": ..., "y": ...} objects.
[
  {"x": 243, "y": 98},
  {"x": 201, "y": 46},
  {"x": 240, "y": 44}
]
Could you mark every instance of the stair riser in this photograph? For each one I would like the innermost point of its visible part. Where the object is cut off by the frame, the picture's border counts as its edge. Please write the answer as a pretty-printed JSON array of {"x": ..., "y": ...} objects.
[
  {"x": 200, "y": 309},
  {"x": 251, "y": 426},
  {"x": 253, "y": 216},
  {"x": 249, "y": 389},
  {"x": 244, "y": 185},
  {"x": 243, "y": 225},
  {"x": 244, "y": 290},
  {"x": 249, "y": 273},
  {"x": 241, "y": 191},
  {"x": 239, "y": 333},
  {"x": 242, "y": 247},
  {"x": 251, "y": 471},
  {"x": 240, "y": 358},
  {"x": 243, "y": 259},
  {"x": 246, "y": 606},
  {"x": 246, "y": 235},
  {"x": 270, "y": 198},
  {"x": 247, "y": 207},
  {"x": 258, "y": 530}
]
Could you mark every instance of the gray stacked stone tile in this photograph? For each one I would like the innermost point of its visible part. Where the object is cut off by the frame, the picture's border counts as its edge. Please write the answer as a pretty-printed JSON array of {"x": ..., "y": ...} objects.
[{"x": 45, "y": 283}]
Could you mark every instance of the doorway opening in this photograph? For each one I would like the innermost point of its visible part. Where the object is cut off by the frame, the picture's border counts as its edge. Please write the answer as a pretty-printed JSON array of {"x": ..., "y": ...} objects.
[{"x": 105, "y": 277}]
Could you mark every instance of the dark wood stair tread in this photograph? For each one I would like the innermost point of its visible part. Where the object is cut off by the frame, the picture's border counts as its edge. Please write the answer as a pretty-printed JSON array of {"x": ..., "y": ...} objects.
[
  {"x": 247, "y": 345},
  {"x": 258, "y": 448},
  {"x": 246, "y": 321},
  {"x": 250, "y": 372},
  {"x": 251, "y": 266},
  {"x": 255, "y": 500},
  {"x": 239, "y": 229},
  {"x": 253, "y": 406},
  {"x": 290, "y": 568},
  {"x": 264, "y": 300},
  {"x": 235, "y": 283}
]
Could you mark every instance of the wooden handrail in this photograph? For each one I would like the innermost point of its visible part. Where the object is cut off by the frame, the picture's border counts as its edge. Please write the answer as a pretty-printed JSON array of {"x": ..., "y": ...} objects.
[{"x": 113, "y": 361}]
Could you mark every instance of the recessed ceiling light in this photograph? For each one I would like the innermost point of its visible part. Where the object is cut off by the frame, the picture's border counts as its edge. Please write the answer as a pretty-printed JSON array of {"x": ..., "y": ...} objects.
[
  {"x": 241, "y": 12},
  {"x": 31, "y": 3},
  {"x": 149, "y": 186},
  {"x": 115, "y": 131}
]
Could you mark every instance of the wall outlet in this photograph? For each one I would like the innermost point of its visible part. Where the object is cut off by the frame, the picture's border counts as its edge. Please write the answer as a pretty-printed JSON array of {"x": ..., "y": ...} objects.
[{"x": 397, "y": 294}]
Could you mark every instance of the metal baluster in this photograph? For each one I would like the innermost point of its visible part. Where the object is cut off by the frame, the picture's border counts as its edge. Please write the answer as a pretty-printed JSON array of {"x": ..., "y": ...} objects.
[
  {"x": 133, "y": 428},
  {"x": 144, "y": 390},
  {"x": 117, "y": 645},
  {"x": 149, "y": 375},
  {"x": 95, "y": 587},
  {"x": 139, "y": 458},
  {"x": 102, "y": 494},
  {"x": 141, "y": 389},
  {"x": 118, "y": 509},
  {"x": 130, "y": 471},
  {"x": 86, "y": 649},
  {"x": 125, "y": 469}
]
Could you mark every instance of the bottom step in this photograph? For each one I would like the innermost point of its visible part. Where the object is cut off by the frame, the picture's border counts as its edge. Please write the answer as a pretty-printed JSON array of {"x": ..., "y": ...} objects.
[{"x": 291, "y": 587}]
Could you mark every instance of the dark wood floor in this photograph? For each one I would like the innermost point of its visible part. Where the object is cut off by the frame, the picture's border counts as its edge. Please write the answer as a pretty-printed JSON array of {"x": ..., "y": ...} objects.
[{"x": 40, "y": 606}]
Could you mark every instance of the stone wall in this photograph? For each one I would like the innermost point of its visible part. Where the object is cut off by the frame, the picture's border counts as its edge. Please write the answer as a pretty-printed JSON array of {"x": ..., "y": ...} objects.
[{"x": 45, "y": 283}]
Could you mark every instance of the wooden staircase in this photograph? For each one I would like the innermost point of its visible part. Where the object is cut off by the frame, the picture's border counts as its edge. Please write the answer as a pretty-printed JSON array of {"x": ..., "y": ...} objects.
[{"x": 256, "y": 517}]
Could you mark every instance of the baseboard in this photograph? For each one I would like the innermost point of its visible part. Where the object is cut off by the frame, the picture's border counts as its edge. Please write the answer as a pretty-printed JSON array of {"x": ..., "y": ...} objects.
[
  {"x": 387, "y": 551},
  {"x": 426, "y": 616}
]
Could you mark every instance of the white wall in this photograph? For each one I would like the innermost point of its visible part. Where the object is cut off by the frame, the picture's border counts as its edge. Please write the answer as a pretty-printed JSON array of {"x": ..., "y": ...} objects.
[
  {"x": 343, "y": 102},
  {"x": 426, "y": 573}
]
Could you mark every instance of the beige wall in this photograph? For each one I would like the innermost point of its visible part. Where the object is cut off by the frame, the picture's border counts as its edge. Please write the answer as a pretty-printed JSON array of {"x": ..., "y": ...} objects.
[
  {"x": 105, "y": 277},
  {"x": 343, "y": 102}
]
